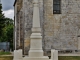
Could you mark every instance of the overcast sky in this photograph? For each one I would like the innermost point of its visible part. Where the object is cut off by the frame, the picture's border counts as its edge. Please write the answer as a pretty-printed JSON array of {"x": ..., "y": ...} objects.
[{"x": 8, "y": 8}]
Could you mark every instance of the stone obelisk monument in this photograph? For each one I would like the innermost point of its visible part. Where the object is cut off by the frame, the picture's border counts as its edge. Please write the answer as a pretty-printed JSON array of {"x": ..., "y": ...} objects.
[{"x": 36, "y": 52}]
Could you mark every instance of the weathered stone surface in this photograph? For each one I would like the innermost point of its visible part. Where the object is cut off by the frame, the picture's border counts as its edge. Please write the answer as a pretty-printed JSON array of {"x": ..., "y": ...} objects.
[{"x": 59, "y": 31}]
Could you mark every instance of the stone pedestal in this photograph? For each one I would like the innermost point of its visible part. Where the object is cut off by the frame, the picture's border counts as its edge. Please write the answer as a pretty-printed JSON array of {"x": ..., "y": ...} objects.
[
  {"x": 54, "y": 54},
  {"x": 17, "y": 54},
  {"x": 79, "y": 43},
  {"x": 36, "y": 58},
  {"x": 36, "y": 45},
  {"x": 36, "y": 52}
]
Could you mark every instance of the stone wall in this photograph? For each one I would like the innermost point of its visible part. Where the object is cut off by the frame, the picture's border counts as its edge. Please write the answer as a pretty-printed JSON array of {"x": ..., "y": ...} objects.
[
  {"x": 27, "y": 24},
  {"x": 61, "y": 30}
]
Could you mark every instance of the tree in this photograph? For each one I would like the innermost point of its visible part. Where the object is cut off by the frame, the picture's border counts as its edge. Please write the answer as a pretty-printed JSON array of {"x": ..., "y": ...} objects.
[
  {"x": 6, "y": 28},
  {"x": 2, "y": 20},
  {"x": 8, "y": 32},
  {"x": 9, "y": 29}
]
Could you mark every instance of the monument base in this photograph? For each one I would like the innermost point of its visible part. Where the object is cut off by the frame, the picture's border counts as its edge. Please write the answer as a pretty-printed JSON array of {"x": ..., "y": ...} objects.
[
  {"x": 17, "y": 59},
  {"x": 36, "y": 58},
  {"x": 18, "y": 54},
  {"x": 35, "y": 53}
]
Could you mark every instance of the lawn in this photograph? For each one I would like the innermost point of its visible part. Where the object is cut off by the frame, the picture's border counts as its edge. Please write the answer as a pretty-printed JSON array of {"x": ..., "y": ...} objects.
[
  {"x": 6, "y": 58},
  {"x": 5, "y": 53},
  {"x": 60, "y": 58},
  {"x": 69, "y": 57}
]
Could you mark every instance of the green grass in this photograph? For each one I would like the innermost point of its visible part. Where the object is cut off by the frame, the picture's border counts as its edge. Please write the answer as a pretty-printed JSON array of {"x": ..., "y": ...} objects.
[
  {"x": 6, "y": 58},
  {"x": 69, "y": 57},
  {"x": 5, "y": 53},
  {"x": 60, "y": 58}
]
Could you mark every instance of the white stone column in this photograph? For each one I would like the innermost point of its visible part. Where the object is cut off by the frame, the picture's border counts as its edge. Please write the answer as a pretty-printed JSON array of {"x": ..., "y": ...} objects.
[
  {"x": 79, "y": 43},
  {"x": 36, "y": 52},
  {"x": 36, "y": 38}
]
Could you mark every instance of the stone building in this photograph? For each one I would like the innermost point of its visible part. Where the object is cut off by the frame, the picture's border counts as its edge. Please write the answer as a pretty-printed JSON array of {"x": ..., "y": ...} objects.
[{"x": 60, "y": 24}]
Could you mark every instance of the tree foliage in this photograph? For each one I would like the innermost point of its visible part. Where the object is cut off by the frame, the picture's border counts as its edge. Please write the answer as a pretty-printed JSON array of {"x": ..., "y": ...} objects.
[
  {"x": 7, "y": 31},
  {"x": 6, "y": 28},
  {"x": 2, "y": 20}
]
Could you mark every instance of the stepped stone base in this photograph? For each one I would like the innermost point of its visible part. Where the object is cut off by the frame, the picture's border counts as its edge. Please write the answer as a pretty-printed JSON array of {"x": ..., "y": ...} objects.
[
  {"x": 17, "y": 59},
  {"x": 36, "y": 58},
  {"x": 35, "y": 53}
]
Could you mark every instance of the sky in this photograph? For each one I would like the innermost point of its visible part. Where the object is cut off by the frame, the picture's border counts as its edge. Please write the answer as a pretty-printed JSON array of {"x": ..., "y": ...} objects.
[{"x": 8, "y": 8}]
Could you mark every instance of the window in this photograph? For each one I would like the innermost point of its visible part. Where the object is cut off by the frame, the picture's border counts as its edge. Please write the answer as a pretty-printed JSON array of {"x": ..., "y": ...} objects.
[{"x": 56, "y": 6}]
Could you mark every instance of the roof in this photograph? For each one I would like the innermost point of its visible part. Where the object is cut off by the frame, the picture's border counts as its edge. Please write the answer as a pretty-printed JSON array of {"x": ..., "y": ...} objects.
[{"x": 14, "y": 2}]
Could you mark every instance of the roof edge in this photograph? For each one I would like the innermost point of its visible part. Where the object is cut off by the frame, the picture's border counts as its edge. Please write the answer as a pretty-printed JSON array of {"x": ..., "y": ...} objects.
[{"x": 14, "y": 2}]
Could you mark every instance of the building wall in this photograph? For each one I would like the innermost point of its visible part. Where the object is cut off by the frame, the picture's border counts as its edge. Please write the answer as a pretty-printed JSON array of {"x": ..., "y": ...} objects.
[
  {"x": 19, "y": 35},
  {"x": 59, "y": 31},
  {"x": 27, "y": 5}
]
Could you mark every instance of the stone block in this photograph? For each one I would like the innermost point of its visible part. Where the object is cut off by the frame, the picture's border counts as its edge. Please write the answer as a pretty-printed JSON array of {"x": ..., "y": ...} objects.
[
  {"x": 36, "y": 58},
  {"x": 78, "y": 43},
  {"x": 54, "y": 54},
  {"x": 17, "y": 54}
]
